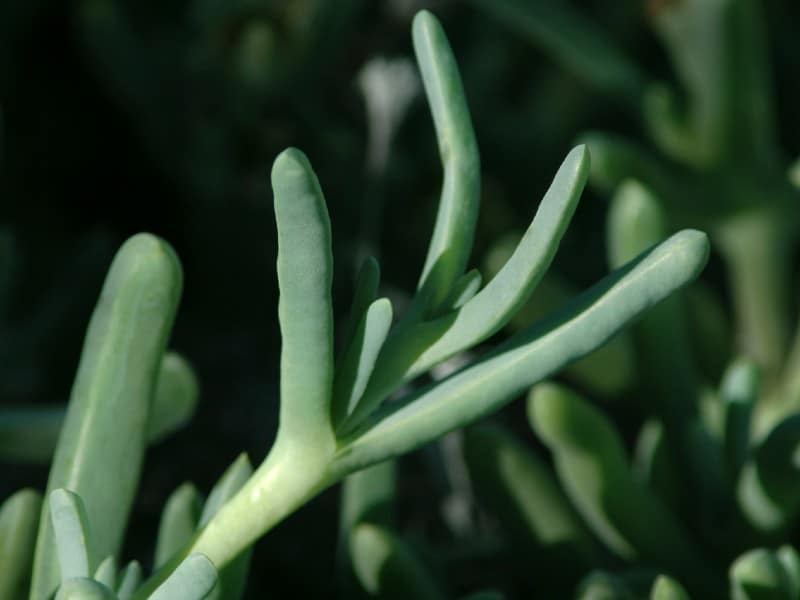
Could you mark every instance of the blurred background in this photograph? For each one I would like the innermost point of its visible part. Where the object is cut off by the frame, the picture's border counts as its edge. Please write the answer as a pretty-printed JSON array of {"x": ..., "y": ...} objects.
[{"x": 119, "y": 116}]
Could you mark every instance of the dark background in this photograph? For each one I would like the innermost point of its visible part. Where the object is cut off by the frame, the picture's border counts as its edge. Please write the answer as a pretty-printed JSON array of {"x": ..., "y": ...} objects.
[{"x": 121, "y": 116}]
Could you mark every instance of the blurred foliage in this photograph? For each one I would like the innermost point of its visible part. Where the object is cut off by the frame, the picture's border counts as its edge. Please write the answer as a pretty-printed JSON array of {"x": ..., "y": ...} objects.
[{"x": 119, "y": 116}]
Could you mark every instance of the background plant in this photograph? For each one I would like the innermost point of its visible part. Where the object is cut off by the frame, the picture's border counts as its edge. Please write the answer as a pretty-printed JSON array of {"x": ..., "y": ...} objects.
[{"x": 69, "y": 147}]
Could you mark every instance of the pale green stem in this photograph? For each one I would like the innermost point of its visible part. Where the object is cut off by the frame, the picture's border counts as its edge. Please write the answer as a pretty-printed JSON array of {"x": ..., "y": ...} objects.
[
  {"x": 288, "y": 478},
  {"x": 754, "y": 246}
]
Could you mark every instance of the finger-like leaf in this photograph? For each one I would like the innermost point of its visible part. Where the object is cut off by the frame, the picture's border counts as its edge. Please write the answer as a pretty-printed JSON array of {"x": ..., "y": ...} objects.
[
  {"x": 766, "y": 490},
  {"x": 178, "y": 522},
  {"x": 600, "y": 585},
  {"x": 739, "y": 391},
  {"x": 129, "y": 579},
  {"x": 531, "y": 355},
  {"x": 666, "y": 588},
  {"x": 19, "y": 518},
  {"x": 305, "y": 273},
  {"x": 74, "y": 543},
  {"x": 451, "y": 242},
  {"x": 523, "y": 493},
  {"x": 415, "y": 349},
  {"x": 106, "y": 573},
  {"x": 233, "y": 578},
  {"x": 387, "y": 567},
  {"x": 359, "y": 359},
  {"x": 30, "y": 435},
  {"x": 790, "y": 561},
  {"x": 367, "y": 496},
  {"x": 194, "y": 579},
  {"x": 464, "y": 289},
  {"x": 366, "y": 291},
  {"x": 231, "y": 481},
  {"x": 175, "y": 397},
  {"x": 104, "y": 433},
  {"x": 83, "y": 588},
  {"x": 759, "y": 575},
  {"x": 591, "y": 464}
]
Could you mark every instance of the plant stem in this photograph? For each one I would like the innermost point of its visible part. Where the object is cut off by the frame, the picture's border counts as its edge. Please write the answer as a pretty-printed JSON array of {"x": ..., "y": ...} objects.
[
  {"x": 755, "y": 249},
  {"x": 287, "y": 479}
]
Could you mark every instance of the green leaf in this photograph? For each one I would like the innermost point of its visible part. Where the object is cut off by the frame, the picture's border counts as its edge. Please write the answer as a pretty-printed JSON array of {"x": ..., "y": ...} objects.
[
  {"x": 74, "y": 542},
  {"x": 305, "y": 273},
  {"x": 106, "y": 573},
  {"x": 83, "y": 588},
  {"x": 464, "y": 289},
  {"x": 104, "y": 433},
  {"x": 759, "y": 575},
  {"x": 30, "y": 435},
  {"x": 178, "y": 522},
  {"x": 739, "y": 392},
  {"x": 129, "y": 579},
  {"x": 387, "y": 567},
  {"x": 369, "y": 277},
  {"x": 766, "y": 490},
  {"x": 666, "y": 588},
  {"x": 451, "y": 242},
  {"x": 529, "y": 356},
  {"x": 175, "y": 399},
  {"x": 19, "y": 519},
  {"x": 194, "y": 579},
  {"x": 522, "y": 493},
  {"x": 414, "y": 349},
  {"x": 572, "y": 40},
  {"x": 367, "y": 496},
  {"x": 231, "y": 482},
  {"x": 593, "y": 468},
  {"x": 600, "y": 585},
  {"x": 790, "y": 561},
  {"x": 233, "y": 578},
  {"x": 359, "y": 359}
]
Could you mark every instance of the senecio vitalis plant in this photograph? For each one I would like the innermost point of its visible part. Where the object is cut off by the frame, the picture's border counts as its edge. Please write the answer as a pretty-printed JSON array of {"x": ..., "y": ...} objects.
[{"x": 334, "y": 415}]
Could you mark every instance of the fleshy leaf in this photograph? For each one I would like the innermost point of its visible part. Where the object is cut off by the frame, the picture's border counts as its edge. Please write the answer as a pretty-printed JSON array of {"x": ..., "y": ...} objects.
[
  {"x": 178, "y": 522},
  {"x": 19, "y": 519},
  {"x": 305, "y": 274},
  {"x": 129, "y": 579},
  {"x": 415, "y": 349},
  {"x": 107, "y": 573},
  {"x": 194, "y": 579},
  {"x": 104, "y": 433},
  {"x": 73, "y": 538},
  {"x": 591, "y": 464},
  {"x": 529, "y": 356},
  {"x": 451, "y": 242},
  {"x": 359, "y": 359},
  {"x": 383, "y": 562}
]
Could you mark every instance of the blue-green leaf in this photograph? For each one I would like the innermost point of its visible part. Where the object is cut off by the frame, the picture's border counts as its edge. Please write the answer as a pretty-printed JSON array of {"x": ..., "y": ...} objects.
[
  {"x": 416, "y": 348},
  {"x": 305, "y": 274},
  {"x": 74, "y": 543},
  {"x": 666, "y": 588},
  {"x": 83, "y": 588},
  {"x": 387, "y": 567},
  {"x": 106, "y": 573},
  {"x": 129, "y": 579},
  {"x": 359, "y": 359},
  {"x": 451, "y": 242},
  {"x": 194, "y": 579},
  {"x": 178, "y": 522},
  {"x": 19, "y": 519},
  {"x": 104, "y": 433},
  {"x": 175, "y": 398},
  {"x": 529, "y": 356}
]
